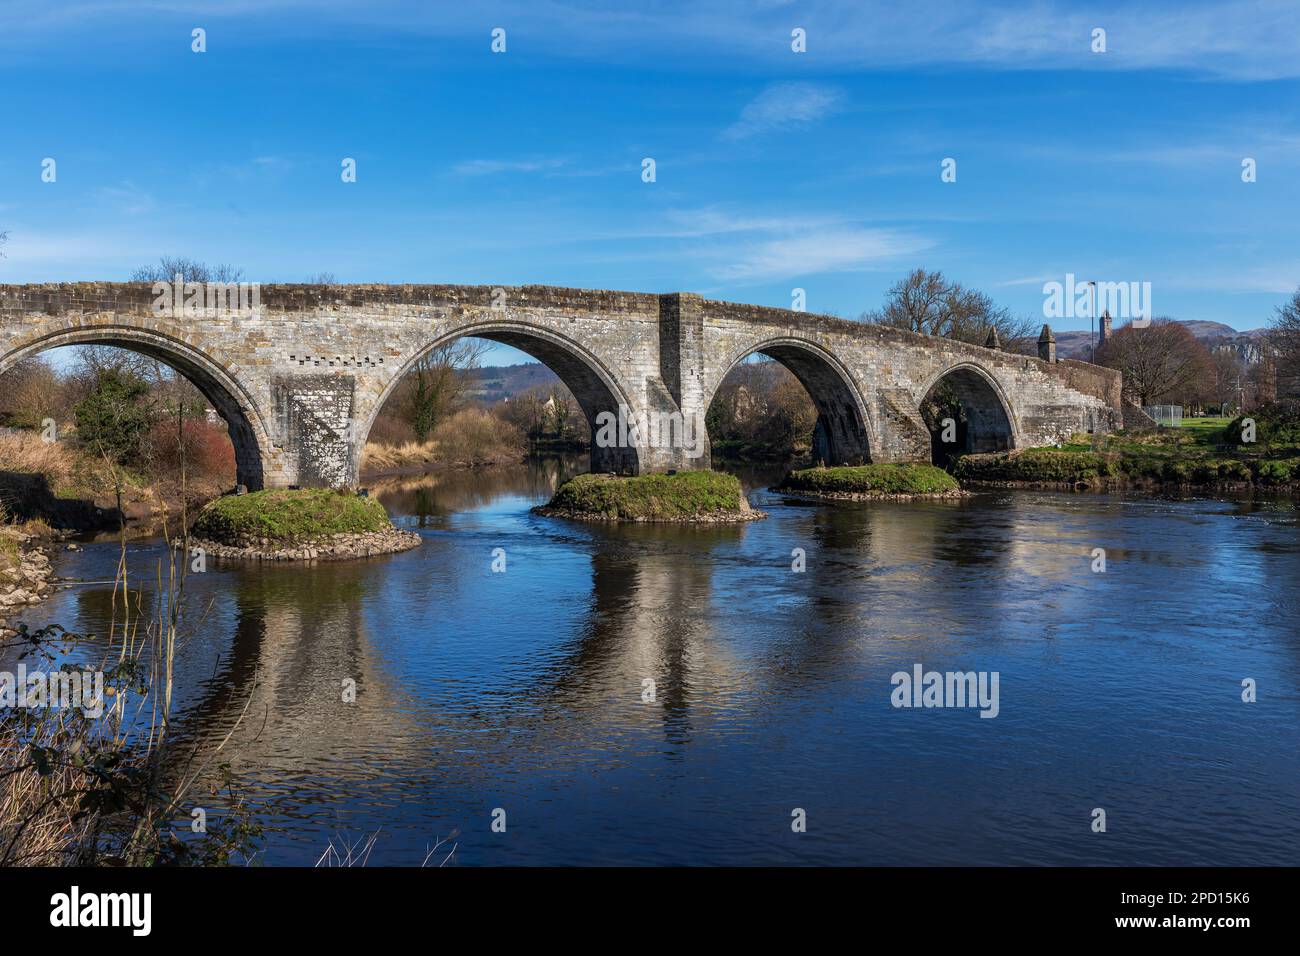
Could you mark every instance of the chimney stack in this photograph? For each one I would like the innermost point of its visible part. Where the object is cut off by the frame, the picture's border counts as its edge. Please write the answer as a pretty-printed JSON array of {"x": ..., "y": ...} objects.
[{"x": 1047, "y": 345}]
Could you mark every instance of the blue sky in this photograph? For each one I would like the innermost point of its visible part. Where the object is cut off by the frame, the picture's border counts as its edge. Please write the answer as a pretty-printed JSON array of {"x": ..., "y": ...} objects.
[{"x": 774, "y": 169}]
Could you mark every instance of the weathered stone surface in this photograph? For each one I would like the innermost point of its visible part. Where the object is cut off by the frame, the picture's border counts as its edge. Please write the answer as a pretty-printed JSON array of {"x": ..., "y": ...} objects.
[
  {"x": 301, "y": 378},
  {"x": 334, "y": 547}
]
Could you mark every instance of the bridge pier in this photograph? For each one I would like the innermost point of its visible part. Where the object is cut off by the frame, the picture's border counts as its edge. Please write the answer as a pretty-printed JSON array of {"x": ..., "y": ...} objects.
[
  {"x": 679, "y": 440},
  {"x": 319, "y": 439}
]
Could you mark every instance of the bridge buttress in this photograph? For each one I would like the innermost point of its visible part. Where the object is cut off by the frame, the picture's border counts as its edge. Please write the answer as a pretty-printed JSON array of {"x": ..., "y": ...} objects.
[{"x": 681, "y": 370}]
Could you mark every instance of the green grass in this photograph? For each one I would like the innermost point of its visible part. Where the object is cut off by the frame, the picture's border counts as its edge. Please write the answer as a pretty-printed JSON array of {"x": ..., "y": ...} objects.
[
  {"x": 1209, "y": 429},
  {"x": 290, "y": 515},
  {"x": 1202, "y": 451},
  {"x": 900, "y": 479},
  {"x": 650, "y": 497},
  {"x": 1187, "y": 464}
]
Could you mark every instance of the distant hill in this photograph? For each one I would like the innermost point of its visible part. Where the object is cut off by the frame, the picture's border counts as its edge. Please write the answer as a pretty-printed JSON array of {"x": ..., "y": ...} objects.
[
  {"x": 1075, "y": 344},
  {"x": 495, "y": 382}
]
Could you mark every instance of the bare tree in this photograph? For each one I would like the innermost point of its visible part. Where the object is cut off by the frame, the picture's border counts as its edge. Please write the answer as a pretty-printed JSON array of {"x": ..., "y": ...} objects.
[
  {"x": 168, "y": 390},
  {"x": 761, "y": 409},
  {"x": 190, "y": 270},
  {"x": 93, "y": 359},
  {"x": 437, "y": 383},
  {"x": 564, "y": 411},
  {"x": 1160, "y": 362},
  {"x": 1229, "y": 378},
  {"x": 170, "y": 394},
  {"x": 527, "y": 411},
  {"x": 929, "y": 303},
  {"x": 30, "y": 392},
  {"x": 1284, "y": 339}
]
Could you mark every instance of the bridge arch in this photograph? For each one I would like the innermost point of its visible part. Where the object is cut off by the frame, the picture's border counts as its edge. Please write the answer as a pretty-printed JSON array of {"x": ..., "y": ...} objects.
[
  {"x": 844, "y": 433},
  {"x": 988, "y": 422},
  {"x": 594, "y": 385},
  {"x": 206, "y": 368}
]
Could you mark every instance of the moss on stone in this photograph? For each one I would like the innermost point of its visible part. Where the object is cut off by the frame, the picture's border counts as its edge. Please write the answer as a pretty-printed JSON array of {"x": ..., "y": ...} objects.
[
  {"x": 1037, "y": 465},
  {"x": 883, "y": 480},
  {"x": 682, "y": 496}
]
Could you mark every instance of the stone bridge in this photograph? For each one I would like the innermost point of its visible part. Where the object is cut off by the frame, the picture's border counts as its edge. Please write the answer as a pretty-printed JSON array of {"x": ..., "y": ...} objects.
[{"x": 299, "y": 372}]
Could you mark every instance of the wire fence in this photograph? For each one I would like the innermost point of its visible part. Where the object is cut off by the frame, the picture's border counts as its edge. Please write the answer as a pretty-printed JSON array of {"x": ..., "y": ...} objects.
[{"x": 1165, "y": 414}]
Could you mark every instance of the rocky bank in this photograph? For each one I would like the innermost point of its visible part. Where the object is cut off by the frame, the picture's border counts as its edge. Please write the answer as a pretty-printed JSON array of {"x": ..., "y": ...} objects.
[{"x": 335, "y": 547}]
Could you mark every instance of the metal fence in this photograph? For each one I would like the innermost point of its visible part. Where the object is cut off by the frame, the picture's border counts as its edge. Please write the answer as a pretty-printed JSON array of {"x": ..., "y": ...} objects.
[{"x": 1165, "y": 414}]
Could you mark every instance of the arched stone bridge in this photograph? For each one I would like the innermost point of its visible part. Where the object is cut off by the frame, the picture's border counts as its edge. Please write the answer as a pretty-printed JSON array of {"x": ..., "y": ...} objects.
[{"x": 301, "y": 377}]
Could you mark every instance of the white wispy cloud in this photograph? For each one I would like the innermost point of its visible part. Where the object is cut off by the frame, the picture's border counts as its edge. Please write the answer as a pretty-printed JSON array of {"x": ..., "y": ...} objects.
[
  {"x": 276, "y": 163},
  {"x": 127, "y": 199},
  {"x": 1260, "y": 136},
  {"x": 252, "y": 170},
  {"x": 1028, "y": 280},
  {"x": 743, "y": 246},
  {"x": 494, "y": 167},
  {"x": 37, "y": 255},
  {"x": 718, "y": 220},
  {"x": 783, "y": 106},
  {"x": 819, "y": 252},
  {"x": 1274, "y": 278},
  {"x": 1235, "y": 39}
]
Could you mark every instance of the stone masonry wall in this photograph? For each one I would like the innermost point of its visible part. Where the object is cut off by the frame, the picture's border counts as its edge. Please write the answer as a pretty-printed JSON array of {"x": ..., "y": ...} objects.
[{"x": 301, "y": 378}]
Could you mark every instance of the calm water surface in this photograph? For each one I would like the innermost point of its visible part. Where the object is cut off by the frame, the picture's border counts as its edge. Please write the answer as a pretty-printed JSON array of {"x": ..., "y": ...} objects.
[{"x": 523, "y": 689}]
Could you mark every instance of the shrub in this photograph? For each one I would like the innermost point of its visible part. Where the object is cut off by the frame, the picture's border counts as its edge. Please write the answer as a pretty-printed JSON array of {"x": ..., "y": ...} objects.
[
  {"x": 474, "y": 436},
  {"x": 37, "y": 476},
  {"x": 27, "y": 453},
  {"x": 1140, "y": 466},
  {"x": 114, "y": 417},
  {"x": 206, "y": 447},
  {"x": 1276, "y": 424},
  {"x": 1278, "y": 472},
  {"x": 30, "y": 392},
  {"x": 1205, "y": 472},
  {"x": 1234, "y": 471},
  {"x": 94, "y": 785},
  {"x": 380, "y": 456},
  {"x": 389, "y": 429}
]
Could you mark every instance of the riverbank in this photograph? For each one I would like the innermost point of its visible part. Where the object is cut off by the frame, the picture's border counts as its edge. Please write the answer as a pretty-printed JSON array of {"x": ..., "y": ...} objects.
[
  {"x": 686, "y": 497},
  {"x": 24, "y": 570},
  {"x": 1256, "y": 452},
  {"x": 303, "y": 524},
  {"x": 1120, "y": 469},
  {"x": 69, "y": 490}
]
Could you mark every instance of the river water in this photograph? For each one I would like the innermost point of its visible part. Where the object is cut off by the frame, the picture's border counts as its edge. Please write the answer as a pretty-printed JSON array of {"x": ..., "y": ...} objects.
[{"x": 524, "y": 690}]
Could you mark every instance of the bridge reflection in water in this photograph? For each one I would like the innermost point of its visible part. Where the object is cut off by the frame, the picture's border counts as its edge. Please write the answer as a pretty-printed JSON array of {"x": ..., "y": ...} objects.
[{"x": 524, "y": 689}]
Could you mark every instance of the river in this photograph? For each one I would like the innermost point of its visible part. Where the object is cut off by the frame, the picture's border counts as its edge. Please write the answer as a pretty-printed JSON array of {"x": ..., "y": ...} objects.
[{"x": 523, "y": 689}]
